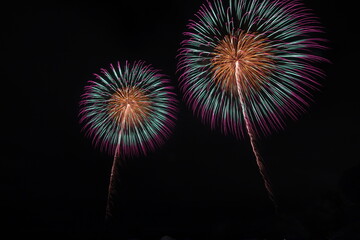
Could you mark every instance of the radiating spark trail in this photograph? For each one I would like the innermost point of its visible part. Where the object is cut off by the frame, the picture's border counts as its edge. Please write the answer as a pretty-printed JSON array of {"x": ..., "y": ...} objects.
[{"x": 252, "y": 136}]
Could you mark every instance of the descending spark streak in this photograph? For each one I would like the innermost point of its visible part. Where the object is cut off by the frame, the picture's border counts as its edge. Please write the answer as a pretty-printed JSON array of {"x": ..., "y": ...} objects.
[
  {"x": 114, "y": 171},
  {"x": 252, "y": 136},
  {"x": 238, "y": 63}
]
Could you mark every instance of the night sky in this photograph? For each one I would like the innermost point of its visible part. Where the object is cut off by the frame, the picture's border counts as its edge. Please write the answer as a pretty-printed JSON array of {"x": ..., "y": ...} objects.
[{"x": 200, "y": 184}]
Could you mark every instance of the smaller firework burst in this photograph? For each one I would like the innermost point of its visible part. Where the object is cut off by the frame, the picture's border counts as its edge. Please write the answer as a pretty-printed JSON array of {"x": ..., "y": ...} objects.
[
  {"x": 130, "y": 109},
  {"x": 127, "y": 111}
]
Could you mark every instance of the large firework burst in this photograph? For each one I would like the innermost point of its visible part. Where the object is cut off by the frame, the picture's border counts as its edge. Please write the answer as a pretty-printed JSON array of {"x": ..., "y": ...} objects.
[
  {"x": 128, "y": 111},
  {"x": 247, "y": 65}
]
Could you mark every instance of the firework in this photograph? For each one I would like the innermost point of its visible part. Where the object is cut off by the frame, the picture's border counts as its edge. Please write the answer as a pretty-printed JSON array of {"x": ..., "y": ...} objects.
[
  {"x": 248, "y": 65},
  {"x": 127, "y": 111}
]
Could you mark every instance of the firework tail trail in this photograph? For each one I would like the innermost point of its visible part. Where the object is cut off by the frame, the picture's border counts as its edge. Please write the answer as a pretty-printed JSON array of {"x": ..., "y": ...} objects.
[
  {"x": 252, "y": 136},
  {"x": 114, "y": 170}
]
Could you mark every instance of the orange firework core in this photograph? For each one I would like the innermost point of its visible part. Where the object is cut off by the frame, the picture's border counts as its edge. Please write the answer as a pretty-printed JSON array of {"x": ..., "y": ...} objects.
[
  {"x": 252, "y": 56},
  {"x": 129, "y": 105}
]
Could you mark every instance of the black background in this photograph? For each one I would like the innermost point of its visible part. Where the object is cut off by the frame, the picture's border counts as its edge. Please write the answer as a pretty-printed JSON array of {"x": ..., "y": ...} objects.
[{"x": 201, "y": 184}]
